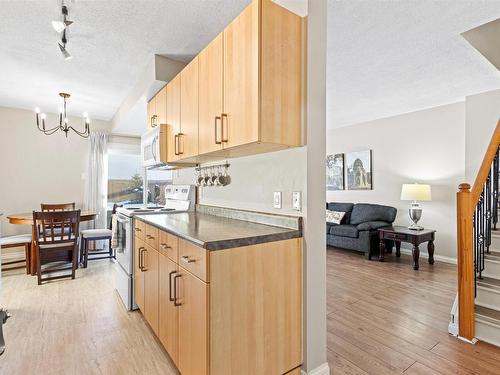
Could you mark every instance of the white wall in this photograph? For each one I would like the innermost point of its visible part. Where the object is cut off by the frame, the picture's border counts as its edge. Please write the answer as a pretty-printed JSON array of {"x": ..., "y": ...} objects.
[
  {"x": 253, "y": 181},
  {"x": 36, "y": 168},
  {"x": 482, "y": 112},
  {"x": 426, "y": 146}
]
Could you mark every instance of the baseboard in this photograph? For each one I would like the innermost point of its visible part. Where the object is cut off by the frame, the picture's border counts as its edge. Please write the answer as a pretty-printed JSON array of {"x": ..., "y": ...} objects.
[
  {"x": 425, "y": 255},
  {"x": 324, "y": 369}
]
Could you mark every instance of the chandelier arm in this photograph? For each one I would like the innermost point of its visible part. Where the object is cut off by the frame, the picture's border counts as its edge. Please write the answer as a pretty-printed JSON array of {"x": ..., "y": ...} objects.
[
  {"x": 84, "y": 134},
  {"x": 50, "y": 131}
]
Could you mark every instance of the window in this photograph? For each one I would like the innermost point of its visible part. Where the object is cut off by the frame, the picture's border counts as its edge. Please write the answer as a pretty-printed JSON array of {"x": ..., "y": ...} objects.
[{"x": 125, "y": 179}]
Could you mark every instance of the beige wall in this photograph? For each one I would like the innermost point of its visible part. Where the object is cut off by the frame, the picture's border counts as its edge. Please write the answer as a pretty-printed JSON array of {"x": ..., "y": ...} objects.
[
  {"x": 482, "y": 112},
  {"x": 427, "y": 147},
  {"x": 36, "y": 168}
]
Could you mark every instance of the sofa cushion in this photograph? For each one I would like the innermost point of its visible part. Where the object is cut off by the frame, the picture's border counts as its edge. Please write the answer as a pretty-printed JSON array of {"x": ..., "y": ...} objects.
[
  {"x": 342, "y": 207},
  {"x": 344, "y": 230},
  {"x": 363, "y": 212},
  {"x": 372, "y": 225}
]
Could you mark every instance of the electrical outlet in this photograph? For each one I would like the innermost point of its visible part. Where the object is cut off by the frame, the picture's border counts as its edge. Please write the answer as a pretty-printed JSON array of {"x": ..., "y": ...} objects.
[
  {"x": 297, "y": 200},
  {"x": 277, "y": 199}
]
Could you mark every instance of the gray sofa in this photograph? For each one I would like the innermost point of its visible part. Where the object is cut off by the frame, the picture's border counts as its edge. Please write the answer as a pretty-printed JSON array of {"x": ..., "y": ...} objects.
[{"x": 358, "y": 229}]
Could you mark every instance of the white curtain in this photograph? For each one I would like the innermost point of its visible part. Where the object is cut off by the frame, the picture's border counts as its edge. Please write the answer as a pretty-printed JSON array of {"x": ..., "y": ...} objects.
[{"x": 96, "y": 178}]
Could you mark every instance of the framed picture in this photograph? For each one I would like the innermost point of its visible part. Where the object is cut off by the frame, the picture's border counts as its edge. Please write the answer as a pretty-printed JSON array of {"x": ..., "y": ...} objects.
[
  {"x": 359, "y": 170},
  {"x": 335, "y": 172}
]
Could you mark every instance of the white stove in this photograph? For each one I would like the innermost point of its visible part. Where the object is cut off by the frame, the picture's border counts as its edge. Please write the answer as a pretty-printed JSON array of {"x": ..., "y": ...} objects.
[{"x": 178, "y": 198}]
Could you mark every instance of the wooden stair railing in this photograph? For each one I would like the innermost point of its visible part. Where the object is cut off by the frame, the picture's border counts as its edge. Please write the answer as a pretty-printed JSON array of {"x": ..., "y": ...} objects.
[{"x": 468, "y": 238}]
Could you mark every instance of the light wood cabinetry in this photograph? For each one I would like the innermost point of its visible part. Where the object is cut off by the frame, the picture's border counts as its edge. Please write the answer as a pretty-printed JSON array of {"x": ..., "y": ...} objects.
[
  {"x": 243, "y": 94},
  {"x": 193, "y": 324},
  {"x": 211, "y": 83},
  {"x": 188, "y": 137},
  {"x": 169, "y": 312},
  {"x": 173, "y": 118},
  {"x": 224, "y": 312},
  {"x": 157, "y": 109},
  {"x": 139, "y": 248}
]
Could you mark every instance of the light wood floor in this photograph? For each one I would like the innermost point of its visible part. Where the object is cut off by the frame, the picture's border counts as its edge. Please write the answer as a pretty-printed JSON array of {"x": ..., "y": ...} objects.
[
  {"x": 385, "y": 318},
  {"x": 76, "y": 327}
]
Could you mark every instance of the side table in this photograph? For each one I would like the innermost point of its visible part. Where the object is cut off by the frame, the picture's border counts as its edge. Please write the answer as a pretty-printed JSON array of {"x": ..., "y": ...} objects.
[{"x": 402, "y": 234}]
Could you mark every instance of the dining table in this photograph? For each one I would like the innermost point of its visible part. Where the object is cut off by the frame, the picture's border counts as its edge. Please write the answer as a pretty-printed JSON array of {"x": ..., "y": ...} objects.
[{"x": 27, "y": 219}]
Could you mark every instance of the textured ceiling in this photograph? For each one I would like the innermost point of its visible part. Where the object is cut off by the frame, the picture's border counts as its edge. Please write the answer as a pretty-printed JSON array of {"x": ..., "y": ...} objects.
[
  {"x": 111, "y": 42},
  {"x": 384, "y": 57},
  {"x": 391, "y": 57}
]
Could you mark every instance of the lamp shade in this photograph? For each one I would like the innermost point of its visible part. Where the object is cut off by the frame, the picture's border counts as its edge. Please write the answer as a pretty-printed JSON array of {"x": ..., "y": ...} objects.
[{"x": 416, "y": 192}]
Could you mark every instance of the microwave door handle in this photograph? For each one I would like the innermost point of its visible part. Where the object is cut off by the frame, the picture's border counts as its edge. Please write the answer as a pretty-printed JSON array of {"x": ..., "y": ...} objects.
[{"x": 153, "y": 148}]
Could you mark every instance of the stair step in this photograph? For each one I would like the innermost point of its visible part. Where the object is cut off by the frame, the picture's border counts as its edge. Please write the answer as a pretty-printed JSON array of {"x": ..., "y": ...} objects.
[
  {"x": 488, "y": 325},
  {"x": 488, "y": 292},
  {"x": 491, "y": 266},
  {"x": 493, "y": 255}
]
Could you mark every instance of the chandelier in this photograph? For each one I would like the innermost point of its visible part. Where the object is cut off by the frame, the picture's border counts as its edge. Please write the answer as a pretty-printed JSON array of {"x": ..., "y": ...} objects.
[{"x": 63, "y": 121}]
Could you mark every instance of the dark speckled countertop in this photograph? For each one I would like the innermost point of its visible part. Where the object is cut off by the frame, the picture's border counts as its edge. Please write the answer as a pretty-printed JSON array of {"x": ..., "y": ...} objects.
[{"x": 216, "y": 232}]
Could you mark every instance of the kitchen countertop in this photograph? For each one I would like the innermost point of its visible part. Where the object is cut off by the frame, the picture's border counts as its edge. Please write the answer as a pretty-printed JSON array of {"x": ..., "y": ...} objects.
[{"x": 217, "y": 233}]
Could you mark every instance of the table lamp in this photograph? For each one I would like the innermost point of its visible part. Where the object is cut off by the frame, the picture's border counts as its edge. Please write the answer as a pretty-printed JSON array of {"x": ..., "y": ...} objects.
[{"x": 415, "y": 193}]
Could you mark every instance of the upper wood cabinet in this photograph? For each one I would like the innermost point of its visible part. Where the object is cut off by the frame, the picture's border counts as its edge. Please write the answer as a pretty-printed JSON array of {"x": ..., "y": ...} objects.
[
  {"x": 157, "y": 109},
  {"x": 173, "y": 118},
  {"x": 211, "y": 83},
  {"x": 188, "y": 138}
]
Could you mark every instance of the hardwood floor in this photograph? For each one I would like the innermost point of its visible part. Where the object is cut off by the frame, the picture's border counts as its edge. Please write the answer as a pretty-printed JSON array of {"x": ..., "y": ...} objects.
[
  {"x": 385, "y": 318},
  {"x": 76, "y": 327}
]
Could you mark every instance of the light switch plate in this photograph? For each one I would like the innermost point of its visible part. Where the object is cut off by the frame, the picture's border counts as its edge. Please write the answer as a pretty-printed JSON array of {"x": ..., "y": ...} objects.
[
  {"x": 297, "y": 200},
  {"x": 277, "y": 199}
]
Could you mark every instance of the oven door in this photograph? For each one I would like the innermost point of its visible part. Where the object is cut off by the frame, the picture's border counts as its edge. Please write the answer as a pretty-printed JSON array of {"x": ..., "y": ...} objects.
[{"x": 124, "y": 251}]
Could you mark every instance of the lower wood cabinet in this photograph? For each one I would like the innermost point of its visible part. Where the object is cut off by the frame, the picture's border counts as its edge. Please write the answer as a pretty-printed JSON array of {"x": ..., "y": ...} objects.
[
  {"x": 193, "y": 324},
  {"x": 169, "y": 312},
  {"x": 224, "y": 312}
]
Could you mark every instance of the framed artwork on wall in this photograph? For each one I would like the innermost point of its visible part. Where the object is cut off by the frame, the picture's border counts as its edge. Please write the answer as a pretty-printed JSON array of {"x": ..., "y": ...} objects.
[
  {"x": 359, "y": 170},
  {"x": 335, "y": 172}
]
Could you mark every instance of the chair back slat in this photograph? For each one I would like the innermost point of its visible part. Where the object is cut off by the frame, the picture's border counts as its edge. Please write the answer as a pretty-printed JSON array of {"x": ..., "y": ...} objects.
[
  {"x": 55, "y": 227},
  {"x": 57, "y": 206}
]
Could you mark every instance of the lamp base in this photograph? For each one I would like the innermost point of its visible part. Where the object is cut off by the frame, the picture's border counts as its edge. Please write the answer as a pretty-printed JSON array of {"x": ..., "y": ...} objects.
[{"x": 415, "y": 227}]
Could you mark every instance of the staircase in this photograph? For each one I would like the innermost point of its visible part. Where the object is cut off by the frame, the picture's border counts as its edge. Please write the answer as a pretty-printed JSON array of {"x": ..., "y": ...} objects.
[{"x": 488, "y": 295}]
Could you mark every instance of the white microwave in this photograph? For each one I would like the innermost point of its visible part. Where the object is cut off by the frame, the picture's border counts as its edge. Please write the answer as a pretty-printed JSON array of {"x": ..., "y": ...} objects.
[{"x": 151, "y": 147}]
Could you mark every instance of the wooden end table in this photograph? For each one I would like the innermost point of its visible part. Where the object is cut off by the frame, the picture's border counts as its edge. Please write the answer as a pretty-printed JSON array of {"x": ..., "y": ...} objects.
[{"x": 403, "y": 234}]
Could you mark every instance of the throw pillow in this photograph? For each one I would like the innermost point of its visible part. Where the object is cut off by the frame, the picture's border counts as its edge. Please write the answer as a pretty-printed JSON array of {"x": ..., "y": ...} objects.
[{"x": 334, "y": 217}]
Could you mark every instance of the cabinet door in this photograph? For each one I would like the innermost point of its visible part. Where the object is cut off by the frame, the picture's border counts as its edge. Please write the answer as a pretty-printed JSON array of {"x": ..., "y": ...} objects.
[
  {"x": 168, "y": 320},
  {"x": 151, "y": 271},
  {"x": 173, "y": 117},
  {"x": 241, "y": 79},
  {"x": 210, "y": 62},
  {"x": 193, "y": 326},
  {"x": 151, "y": 112},
  {"x": 138, "y": 273},
  {"x": 161, "y": 106},
  {"x": 189, "y": 110}
]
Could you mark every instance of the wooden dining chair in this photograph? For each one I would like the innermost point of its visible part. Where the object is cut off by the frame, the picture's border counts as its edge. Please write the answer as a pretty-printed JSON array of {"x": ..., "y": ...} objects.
[
  {"x": 21, "y": 240},
  {"x": 56, "y": 250},
  {"x": 50, "y": 207}
]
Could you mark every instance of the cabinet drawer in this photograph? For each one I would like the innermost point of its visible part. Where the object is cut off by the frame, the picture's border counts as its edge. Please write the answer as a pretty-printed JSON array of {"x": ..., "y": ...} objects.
[
  {"x": 152, "y": 236},
  {"x": 194, "y": 259},
  {"x": 395, "y": 236},
  {"x": 168, "y": 245},
  {"x": 140, "y": 229}
]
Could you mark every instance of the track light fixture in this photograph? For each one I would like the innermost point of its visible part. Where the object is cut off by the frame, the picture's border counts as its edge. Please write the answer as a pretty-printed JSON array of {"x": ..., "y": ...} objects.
[{"x": 62, "y": 27}]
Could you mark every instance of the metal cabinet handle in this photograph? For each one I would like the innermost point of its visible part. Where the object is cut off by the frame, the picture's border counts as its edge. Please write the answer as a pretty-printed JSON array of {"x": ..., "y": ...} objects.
[
  {"x": 153, "y": 121},
  {"x": 141, "y": 261},
  {"x": 149, "y": 237},
  {"x": 170, "y": 298},
  {"x": 224, "y": 116},
  {"x": 179, "y": 138},
  {"x": 176, "y": 144},
  {"x": 165, "y": 246},
  {"x": 143, "y": 267},
  {"x": 137, "y": 229},
  {"x": 175, "y": 290},
  {"x": 186, "y": 259},
  {"x": 217, "y": 142}
]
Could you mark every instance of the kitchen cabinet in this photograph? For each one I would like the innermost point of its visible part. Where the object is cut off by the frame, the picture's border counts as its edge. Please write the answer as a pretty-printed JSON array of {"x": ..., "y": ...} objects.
[
  {"x": 211, "y": 82},
  {"x": 151, "y": 271},
  {"x": 157, "y": 109},
  {"x": 213, "y": 315},
  {"x": 187, "y": 139},
  {"x": 168, "y": 319},
  {"x": 173, "y": 118},
  {"x": 193, "y": 324},
  {"x": 139, "y": 248}
]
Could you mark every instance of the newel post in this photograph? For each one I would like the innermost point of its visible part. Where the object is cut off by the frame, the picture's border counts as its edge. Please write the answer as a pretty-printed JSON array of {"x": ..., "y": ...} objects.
[{"x": 465, "y": 262}]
